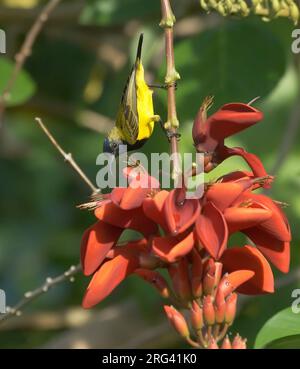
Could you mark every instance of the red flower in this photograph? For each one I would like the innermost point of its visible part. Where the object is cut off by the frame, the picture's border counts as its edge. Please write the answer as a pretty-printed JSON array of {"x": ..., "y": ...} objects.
[
  {"x": 237, "y": 208},
  {"x": 210, "y": 133},
  {"x": 125, "y": 260},
  {"x": 248, "y": 257},
  {"x": 211, "y": 230}
]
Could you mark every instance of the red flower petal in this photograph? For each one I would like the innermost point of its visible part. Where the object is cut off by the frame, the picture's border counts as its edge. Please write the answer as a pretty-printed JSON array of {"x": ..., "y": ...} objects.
[
  {"x": 96, "y": 242},
  {"x": 132, "y": 219},
  {"x": 153, "y": 208},
  {"x": 236, "y": 176},
  {"x": 170, "y": 249},
  {"x": 227, "y": 121},
  {"x": 211, "y": 230},
  {"x": 156, "y": 279},
  {"x": 231, "y": 119},
  {"x": 180, "y": 213},
  {"x": 249, "y": 258},
  {"x": 277, "y": 225},
  {"x": 230, "y": 282},
  {"x": 222, "y": 195},
  {"x": 196, "y": 273},
  {"x": 180, "y": 277},
  {"x": 132, "y": 197},
  {"x": 252, "y": 160},
  {"x": 239, "y": 218},
  {"x": 117, "y": 194},
  {"x": 278, "y": 252},
  {"x": 108, "y": 277}
]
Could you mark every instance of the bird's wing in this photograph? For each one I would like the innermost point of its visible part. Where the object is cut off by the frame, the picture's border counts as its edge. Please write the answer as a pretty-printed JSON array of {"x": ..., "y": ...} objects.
[{"x": 128, "y": 120}]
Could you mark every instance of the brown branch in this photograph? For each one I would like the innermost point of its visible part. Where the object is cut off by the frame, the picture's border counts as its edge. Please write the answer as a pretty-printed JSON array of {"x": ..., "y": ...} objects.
[
  {"x": 167, "y": 22},
  {"x": 67, "y": 156},
  {"x": 25, "y": 52},
  {"x": 29, "y": 296},
  {"x": 66, "y": 14}
]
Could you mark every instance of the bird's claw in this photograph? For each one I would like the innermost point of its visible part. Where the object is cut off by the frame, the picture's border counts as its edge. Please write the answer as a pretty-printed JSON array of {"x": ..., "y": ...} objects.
[{"x": 165, "y": 86}]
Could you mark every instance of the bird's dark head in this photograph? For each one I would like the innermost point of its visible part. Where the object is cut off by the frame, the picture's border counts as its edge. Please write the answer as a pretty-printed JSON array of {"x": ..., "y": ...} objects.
[
  {"x": 107, "y": 147},
  {"x": 114, "y": 147}
]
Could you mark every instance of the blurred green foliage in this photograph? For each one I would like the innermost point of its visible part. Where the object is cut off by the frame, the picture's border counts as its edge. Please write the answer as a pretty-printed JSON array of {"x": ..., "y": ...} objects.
[
  {"x": 41, "y": 228},
  {"x": 23, "y": 88}
]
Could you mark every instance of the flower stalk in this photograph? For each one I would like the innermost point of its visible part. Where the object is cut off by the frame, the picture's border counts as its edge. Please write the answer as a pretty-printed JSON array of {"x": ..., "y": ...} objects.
[{"x": 167, "y": 23}]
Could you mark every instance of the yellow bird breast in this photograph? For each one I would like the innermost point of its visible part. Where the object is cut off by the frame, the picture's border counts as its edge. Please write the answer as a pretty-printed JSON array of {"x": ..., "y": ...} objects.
[{"x": 144, "y": 105}]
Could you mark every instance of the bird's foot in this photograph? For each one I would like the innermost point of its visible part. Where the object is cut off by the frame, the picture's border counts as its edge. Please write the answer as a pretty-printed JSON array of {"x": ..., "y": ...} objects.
[
  {"x": 170, "y": 135},
  {"x": 164, "y": 86}
]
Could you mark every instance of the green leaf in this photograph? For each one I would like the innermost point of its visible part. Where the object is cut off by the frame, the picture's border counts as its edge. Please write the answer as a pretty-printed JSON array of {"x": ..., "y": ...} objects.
[
  {"x": 23, "y": 88},
  {"x": 288, "y": 342},
  {"x": 281, "y": 331},
  {"x": 112, "y": 12},
  {"x": 231, "y": 62}
]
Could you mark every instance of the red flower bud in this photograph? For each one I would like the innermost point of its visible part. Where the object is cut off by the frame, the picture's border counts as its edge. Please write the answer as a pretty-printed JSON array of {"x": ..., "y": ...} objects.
[
  {"x": 208, "y": 284},
  {"x": 212, "y": 344},
  {"x": 220, "y": 307},
  {"x": 196, "y": 279},
  {"x": 177, "y": 320},
  {"x": 218, "y": 273},
  {"x": 231, "y": 281},
  {"x": 226, "y": 344},
  {"x": 212, "y": 277},
  {"x": 239, "y": 343},
  {"x": 179, "y": 274},
  {"x": 230, "y": 308},
  {"x": 208, "y": 310},
  {"x": 196, "y": 316}
]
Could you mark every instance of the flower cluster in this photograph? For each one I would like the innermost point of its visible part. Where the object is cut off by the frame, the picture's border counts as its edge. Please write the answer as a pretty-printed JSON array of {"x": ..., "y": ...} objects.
[
  {"x": 189, "y": 238},
  {"x": 267, "y": 9}
]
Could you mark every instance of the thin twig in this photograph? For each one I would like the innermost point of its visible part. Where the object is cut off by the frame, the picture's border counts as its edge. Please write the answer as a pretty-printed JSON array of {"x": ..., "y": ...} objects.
[
  {"x": 29, "y": 296},
  {"x": 167, "y": 22},
  {"x": 25, "y": 52},
  {"x": 67, "y": 156}
]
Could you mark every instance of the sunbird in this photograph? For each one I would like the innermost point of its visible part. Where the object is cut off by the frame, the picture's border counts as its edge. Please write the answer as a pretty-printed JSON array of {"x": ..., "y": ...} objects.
[{"x": 135, "y": 119}]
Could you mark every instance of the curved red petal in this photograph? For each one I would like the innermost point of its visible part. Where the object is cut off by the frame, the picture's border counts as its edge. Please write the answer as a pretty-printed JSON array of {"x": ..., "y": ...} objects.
[
  {"x": 222, "y": 195},
  {"x": 239, "y": 218},
  {"x": 277, "y": 251},
  {"x": 171, "y": 249},
  {"x": 96, "y": 242},
  {"x": 180, "y": 213},
  {"x": 179, "y": 273},
  {"x": 236, "y": 176},
  {"x": 107, "y": 278},
  {"x": 156, "y": 279},
  {"x": 234, "y": 280},
  {"x": 129, "y": 219},
  {"x": 252, "y": 160},
  {"x": 250, "y": 258},
  {"x": 153, "y": 208},
  {"x": 117, "y": 194},
  {"x": 277, "y": 225},
  {"x": 138, "y": 188},
  {"x": 231, "y": 119},
  {"x": 211, "y": 230}
]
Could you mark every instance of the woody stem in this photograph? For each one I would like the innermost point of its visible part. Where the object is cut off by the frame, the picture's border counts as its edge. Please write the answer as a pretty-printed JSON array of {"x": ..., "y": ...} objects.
[{"x": 167, "y": 22}]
